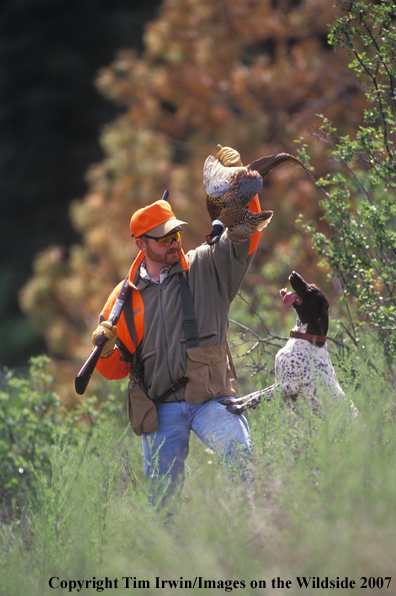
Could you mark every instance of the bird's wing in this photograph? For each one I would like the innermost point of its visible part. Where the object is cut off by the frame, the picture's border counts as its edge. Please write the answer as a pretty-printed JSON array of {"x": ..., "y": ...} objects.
[
  {"x": 218, "y": 179},
  {"x": 248, "y": 187},
  {"x": 229, "y": 183}
]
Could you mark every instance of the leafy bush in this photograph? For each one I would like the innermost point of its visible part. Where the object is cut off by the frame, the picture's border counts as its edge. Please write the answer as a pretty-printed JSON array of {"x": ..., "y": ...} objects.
[
  {"x": 323, "y": 499},
  {"x": 359, "y": 201},
  {"x": 31, "y": 418},
  {"x": 322, "y": 503}
]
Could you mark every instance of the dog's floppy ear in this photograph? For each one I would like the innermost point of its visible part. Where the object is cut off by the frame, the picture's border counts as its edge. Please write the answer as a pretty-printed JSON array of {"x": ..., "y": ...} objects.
[{"x": 322, "y": 318}]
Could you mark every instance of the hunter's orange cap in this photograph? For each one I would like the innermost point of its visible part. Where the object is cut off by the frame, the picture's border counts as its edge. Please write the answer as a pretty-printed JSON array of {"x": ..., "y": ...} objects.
[{"x": 156, "y": 219}]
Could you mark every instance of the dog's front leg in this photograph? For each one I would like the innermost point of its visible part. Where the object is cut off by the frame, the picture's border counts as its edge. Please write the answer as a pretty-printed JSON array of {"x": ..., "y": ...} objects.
[{"x": 238, "y": 405}]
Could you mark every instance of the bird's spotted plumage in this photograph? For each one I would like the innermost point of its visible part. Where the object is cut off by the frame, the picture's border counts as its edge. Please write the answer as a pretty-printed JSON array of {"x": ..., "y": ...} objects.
[{"x": 230, "y": 190}]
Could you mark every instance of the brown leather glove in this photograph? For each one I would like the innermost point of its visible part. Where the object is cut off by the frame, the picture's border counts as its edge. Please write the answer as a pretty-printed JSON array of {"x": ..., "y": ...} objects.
[
  {"x": 228, "y": 157},
  {"x": 110, "y": 333}
]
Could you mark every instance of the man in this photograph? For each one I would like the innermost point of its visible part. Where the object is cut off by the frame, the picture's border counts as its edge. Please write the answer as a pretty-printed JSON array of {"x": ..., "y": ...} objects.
[{"x": 177, "y": 382}]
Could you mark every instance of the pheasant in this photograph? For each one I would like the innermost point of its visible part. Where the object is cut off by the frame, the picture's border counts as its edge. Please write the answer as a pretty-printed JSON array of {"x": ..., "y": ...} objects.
[{"x": 230, "y": 189}]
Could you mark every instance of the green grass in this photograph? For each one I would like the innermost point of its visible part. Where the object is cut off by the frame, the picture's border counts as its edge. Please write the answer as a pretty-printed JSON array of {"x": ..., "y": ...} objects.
[{"x": 322, "y": 504}]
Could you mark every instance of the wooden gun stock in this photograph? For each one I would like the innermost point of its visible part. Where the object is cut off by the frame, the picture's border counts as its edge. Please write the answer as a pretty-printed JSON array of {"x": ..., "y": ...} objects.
[{"x": 85, "y": 374}]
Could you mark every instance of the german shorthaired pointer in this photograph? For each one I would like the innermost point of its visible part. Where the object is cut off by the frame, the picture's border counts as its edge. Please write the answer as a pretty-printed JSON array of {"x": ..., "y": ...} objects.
[{"x": 302, "y": 367}]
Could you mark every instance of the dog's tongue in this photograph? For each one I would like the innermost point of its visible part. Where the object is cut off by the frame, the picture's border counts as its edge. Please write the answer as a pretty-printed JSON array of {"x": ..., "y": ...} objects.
[{"x": 289, "y": 298}]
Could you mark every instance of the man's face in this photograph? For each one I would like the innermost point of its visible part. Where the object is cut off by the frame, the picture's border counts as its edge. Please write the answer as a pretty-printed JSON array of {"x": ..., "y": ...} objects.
[{"x": 163, "y": 255}]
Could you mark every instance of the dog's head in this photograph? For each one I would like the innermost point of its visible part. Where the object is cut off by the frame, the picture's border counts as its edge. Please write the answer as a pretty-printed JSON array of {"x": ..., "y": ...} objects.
[{"x": 310, "y": 303}]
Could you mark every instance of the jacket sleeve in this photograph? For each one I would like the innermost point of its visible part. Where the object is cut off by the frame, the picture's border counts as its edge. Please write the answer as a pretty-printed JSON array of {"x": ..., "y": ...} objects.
[
  {"x": 116, "y": 365},
  {"x": 224, "y": 264}
]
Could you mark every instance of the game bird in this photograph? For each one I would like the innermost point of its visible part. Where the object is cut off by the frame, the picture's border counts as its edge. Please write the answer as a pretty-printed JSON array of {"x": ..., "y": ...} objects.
[{"x": 230, "y": 189}]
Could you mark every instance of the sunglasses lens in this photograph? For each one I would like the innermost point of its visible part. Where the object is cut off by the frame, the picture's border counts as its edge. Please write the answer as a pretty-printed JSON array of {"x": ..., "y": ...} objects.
[{"x": 167, "y": 240}]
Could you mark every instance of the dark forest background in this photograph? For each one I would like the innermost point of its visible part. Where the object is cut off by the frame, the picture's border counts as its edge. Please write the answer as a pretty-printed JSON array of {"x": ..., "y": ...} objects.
[{"x": 51, "y": 116}]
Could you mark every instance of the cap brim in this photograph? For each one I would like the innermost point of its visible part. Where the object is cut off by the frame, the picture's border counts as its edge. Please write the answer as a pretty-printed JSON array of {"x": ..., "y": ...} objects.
[{"x": 166, "y": 228}]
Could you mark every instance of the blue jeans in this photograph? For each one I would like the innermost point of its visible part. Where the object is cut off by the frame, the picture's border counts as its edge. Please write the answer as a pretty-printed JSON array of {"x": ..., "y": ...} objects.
[{"x": 166, "y": 449}]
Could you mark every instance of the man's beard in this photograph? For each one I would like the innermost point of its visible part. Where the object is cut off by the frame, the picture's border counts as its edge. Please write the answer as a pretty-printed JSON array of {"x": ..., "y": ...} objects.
[{"x": 170, "y": 257}]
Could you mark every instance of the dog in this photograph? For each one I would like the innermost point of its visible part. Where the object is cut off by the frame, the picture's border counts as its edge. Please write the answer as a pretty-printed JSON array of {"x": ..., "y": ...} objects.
[{"x": 302, "y": 367}]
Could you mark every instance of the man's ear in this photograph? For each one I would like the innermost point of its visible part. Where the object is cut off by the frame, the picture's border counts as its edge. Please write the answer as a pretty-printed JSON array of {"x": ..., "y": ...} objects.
[{"x": 141, "y": 244}]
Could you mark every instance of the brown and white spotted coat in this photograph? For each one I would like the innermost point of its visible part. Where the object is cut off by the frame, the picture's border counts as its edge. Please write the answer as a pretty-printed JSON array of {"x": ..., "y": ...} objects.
[{"x": 302, "y": 367}]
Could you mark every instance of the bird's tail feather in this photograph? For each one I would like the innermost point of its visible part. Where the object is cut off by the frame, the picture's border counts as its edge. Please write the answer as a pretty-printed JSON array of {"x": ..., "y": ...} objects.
[{"x": 265, "y": 165}]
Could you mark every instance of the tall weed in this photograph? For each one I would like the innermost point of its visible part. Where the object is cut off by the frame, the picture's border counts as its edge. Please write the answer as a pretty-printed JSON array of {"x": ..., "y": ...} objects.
[{"x": 322, "y": 503}]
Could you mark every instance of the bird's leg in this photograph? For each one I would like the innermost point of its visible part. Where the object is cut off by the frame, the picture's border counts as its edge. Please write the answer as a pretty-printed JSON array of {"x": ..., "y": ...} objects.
[
  {"x": 237, "y": 405},
  {"x": 217, "y": 229}
]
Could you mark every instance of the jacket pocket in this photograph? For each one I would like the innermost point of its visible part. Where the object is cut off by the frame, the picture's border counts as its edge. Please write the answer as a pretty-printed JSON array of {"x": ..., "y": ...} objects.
[
  {"x": 211, "y": 374},
  {"x": 142, "y": 413}
]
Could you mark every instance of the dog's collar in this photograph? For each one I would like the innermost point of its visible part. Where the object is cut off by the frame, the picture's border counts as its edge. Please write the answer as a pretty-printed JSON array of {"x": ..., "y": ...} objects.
[{"x": 319, "y": 339}]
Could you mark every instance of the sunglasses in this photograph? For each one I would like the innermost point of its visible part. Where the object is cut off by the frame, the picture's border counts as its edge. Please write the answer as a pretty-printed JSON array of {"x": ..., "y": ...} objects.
[{"x": 166, "y": 240}]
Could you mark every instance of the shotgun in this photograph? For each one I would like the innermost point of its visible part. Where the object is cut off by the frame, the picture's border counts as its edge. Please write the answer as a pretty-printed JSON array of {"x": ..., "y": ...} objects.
[{"x": 83, "y": 377}]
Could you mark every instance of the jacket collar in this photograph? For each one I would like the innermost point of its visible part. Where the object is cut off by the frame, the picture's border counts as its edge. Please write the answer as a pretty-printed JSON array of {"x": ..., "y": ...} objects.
[{"x": 134, "y": 275}]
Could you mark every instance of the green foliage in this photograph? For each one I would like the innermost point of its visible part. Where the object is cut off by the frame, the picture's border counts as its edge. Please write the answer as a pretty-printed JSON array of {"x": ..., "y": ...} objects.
[
  {"x": 323, "y": 499},
  {"x": 254, "y": 337},
  {"x": 32, "y": 419},
  {"x": 359, "y": 201},
  {"x": 259, "y": 318},
  {"x": 322, "y": 502}
]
